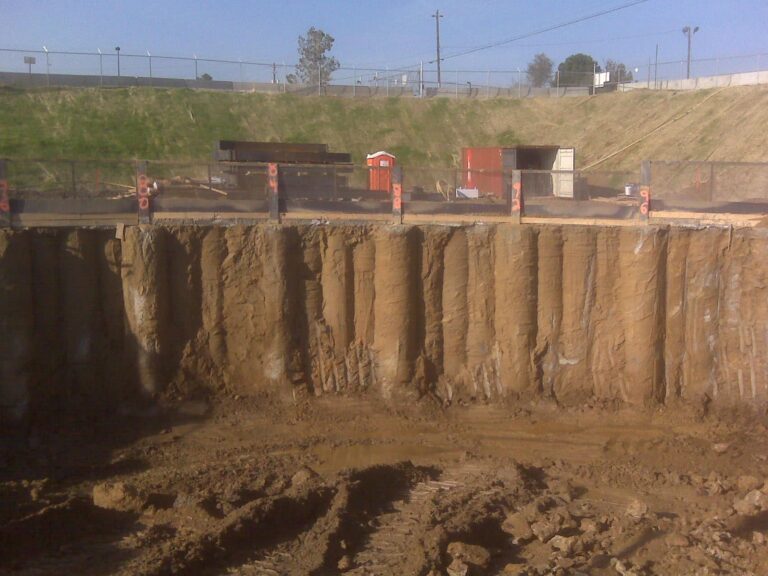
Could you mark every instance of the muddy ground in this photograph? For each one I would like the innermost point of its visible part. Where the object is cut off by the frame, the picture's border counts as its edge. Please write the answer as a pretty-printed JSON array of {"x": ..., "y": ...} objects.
[{"x": 263, "y": 485}]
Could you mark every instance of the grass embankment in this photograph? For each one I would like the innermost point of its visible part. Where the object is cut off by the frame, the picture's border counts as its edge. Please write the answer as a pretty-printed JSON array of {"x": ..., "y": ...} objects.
[{"x": 184, "y": 124}]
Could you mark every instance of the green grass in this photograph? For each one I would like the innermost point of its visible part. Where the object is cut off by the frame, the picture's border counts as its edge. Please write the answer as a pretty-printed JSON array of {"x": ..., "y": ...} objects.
[{"x": 174, "y": 124}]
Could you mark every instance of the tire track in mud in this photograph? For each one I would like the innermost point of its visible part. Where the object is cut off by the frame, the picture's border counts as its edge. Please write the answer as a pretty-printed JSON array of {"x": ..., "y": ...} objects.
[{"x": 388, "y": 548}]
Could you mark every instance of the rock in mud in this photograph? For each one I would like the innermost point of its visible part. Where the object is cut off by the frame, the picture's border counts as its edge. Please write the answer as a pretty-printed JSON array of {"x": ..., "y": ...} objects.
[
  {"x": 345, "y": 563},
  {"x": 637, "y": 509},
  {"x": 565, "y": 544},
  {"x": 748, "y": 483},
  {"x": 476, "y": 557},
  {"x": 304, "y": 475},
  {"x": 590, "y": 526},
  {"x": 518, "y": 527},
  {"x": 678, "y": 540},
  {"x": 754, "y": 501},
  {"x": 721, "y": 447},
  {"x": 622, "y": 568},
  {"x": 545, "y": 529},
  {"x": 515, "y": 569},
  {"x": 118, "y": 496},
  {"x": 457, "y": 568}
]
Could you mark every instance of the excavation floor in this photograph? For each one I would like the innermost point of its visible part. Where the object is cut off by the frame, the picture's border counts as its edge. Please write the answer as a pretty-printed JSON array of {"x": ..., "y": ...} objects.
[{"x": 339, "y": 485}]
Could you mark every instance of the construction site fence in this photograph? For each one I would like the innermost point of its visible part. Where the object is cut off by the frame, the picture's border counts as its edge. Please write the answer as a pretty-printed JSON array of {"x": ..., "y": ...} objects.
[
  {"x": 710, "y": 187},
  {"x": 49, "y": 68},
  {"x": 147, "y": 188}
]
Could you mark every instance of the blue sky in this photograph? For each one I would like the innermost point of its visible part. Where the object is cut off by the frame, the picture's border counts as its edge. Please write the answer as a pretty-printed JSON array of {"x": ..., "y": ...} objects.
[{"x": 377, "y": 34}]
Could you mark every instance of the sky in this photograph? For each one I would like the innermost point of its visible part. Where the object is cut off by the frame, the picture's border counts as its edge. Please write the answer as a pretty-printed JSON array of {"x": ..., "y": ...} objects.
[{"x": 383, "y": 35}]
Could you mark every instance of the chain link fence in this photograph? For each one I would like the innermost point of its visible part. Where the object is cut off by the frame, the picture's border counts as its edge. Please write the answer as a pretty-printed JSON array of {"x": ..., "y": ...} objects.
[
  {"x": 717, "y": 187},
  {"x": 113, "y": 68}
]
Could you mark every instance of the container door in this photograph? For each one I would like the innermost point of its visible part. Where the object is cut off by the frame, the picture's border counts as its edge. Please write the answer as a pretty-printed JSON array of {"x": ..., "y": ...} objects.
[{"x": 562, "y": 182}]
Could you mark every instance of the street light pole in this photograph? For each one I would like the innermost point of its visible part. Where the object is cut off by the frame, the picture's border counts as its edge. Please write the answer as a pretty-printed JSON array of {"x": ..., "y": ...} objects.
[
  {"x": 689, "y": 31},
  {"x": 149, "y": 56},
  {"x": 101, "y": 67},
  {"x": 117, "y": 49},
  {"x": 437, "y": 17}
]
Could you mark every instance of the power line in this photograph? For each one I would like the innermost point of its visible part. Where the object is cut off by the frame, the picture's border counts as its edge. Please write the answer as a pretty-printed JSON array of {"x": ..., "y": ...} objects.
[{"x": 546, "y": 29}]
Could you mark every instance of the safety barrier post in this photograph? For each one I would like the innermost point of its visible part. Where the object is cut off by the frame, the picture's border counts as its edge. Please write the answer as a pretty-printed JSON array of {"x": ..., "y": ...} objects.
[
  {"x": 645, "y": 190},
  {"x": 142, "y": 193},
  {"x": 397, "y": 195},
  {"x": 273, "y": 192},
  {"x": 515, "y": 197},
  {"x": 5, "y": 204}
]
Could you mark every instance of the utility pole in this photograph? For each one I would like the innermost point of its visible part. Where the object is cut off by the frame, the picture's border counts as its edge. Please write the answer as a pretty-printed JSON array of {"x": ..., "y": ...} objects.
[
  {"x": 689, "y": 31},
  {"x": 437, "y": 17},
  {"x": 274, "y": 73},
  {"x": 655, "y": 68},
  {"x": 117, "y": 49}
]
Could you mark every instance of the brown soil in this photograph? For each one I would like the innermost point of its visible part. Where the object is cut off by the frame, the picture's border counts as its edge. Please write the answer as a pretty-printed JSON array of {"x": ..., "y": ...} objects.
[
  {"x": 256, "y": 485},
  {"x": 383, "y": 400}
]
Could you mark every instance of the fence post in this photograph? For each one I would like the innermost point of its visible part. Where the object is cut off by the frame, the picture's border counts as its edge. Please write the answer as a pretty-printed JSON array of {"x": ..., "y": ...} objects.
[
  {"x": 397, "y": 195},
  {"x": 645, "y": 190},
  {"x": 142, "y": 193},
  {"x": 273, "y": 191},
  {"x": 73, "y": 177},
  {"x": 515, "y": 197},
  {"x": 5, "y": 204}
]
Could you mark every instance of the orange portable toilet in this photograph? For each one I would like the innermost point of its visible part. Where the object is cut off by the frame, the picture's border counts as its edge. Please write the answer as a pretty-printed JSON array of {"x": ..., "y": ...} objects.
[{"x": 380, "y": 165}]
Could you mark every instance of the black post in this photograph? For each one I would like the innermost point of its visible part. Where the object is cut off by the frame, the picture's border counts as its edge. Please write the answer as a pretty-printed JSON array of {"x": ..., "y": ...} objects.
[{"x": 5, "y": 205}]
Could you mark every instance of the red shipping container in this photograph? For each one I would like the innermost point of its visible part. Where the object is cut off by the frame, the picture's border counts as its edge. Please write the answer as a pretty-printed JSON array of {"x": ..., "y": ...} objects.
[{"x": 482, "y": 169}]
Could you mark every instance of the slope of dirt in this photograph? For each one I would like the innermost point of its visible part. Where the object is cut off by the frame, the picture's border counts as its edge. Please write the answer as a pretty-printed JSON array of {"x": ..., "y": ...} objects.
[
  {"x": 338, "y": 485},
  {"x": 182, "y": 124}
]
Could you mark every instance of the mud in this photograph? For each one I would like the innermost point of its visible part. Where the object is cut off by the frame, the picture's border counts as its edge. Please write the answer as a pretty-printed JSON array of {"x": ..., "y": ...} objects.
[
  {"x": 383, "y": 400},
  {"x": 645, "y": 316},
  {"x": 258, "y": 486}
]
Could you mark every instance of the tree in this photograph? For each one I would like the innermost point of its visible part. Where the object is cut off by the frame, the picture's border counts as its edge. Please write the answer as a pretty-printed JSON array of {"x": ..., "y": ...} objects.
[
  {"x": 315, "y": 65},
  {"x": 578, "y": 70},
  {"x": 619, "y": 72},
  {"x": 540, "y": 70},
  {"x": 207, "y": 77}
]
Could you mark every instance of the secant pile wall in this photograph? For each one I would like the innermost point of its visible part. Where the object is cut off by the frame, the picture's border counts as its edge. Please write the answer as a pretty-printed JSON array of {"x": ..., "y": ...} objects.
[{"x": 642, "y": 315}]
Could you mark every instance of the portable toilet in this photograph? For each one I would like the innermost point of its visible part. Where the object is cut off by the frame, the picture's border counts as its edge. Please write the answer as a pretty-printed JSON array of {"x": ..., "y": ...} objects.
[{"x": 380, "y": 165}]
